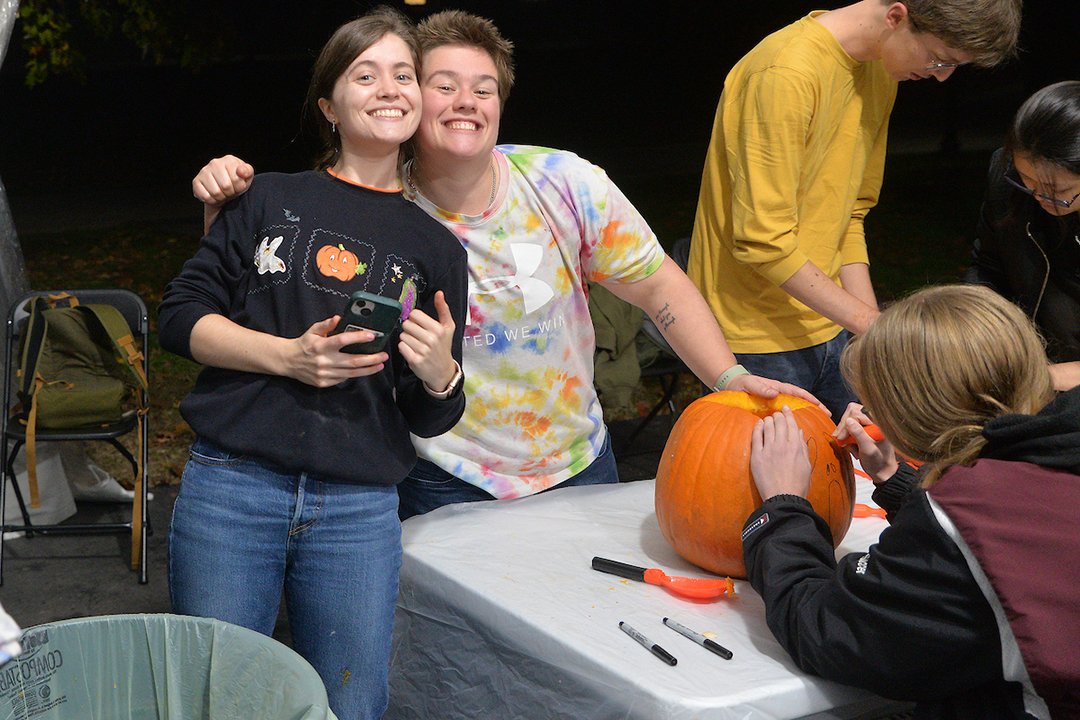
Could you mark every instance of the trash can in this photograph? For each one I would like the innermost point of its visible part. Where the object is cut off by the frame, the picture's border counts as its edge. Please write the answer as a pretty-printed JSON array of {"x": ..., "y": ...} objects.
[{"x": 157, "y": 667}]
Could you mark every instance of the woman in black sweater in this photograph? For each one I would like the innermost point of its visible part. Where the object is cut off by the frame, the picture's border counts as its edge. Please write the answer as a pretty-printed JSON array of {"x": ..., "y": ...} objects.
[{"x": 291, "y": 484}]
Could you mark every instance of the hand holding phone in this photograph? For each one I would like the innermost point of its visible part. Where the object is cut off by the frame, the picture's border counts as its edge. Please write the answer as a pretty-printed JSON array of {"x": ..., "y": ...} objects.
[{"x": 376, "y": 314}]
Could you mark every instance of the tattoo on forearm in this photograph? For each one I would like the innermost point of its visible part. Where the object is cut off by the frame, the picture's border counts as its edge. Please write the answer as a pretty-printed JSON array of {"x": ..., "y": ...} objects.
[{"x": 664, "y": 318}]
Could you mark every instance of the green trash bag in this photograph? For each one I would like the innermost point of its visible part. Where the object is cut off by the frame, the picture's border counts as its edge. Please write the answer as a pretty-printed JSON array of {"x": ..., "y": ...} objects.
[{"x": 157, "y": 667}]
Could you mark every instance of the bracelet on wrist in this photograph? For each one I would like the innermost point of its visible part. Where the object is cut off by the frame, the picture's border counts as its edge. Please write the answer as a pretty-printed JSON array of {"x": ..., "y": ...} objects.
[
  {"x": 727, "y": 376},
  {"x": 450, "y": 387}
]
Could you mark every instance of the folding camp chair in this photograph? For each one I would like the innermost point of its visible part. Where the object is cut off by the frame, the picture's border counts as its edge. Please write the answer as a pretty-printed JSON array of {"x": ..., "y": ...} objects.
[{"x": 14, "y": 431}]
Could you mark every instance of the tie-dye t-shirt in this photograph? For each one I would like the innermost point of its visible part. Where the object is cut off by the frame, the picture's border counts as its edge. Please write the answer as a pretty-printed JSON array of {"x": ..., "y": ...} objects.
[{"x": 532, "y": 418}]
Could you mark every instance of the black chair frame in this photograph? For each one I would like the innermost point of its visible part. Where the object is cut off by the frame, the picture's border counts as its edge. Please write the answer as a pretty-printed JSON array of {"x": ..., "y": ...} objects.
[
  {"x": 669, "y": 373},
  {"x": 132, "y": 307}
]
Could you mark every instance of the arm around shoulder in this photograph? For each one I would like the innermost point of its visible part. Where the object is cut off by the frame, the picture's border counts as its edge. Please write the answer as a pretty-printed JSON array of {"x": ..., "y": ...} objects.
[{"x": 219, "y": 181}]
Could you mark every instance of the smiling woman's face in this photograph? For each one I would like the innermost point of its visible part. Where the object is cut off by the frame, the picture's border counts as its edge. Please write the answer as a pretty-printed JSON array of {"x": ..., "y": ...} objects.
[
  {"x": 376, "y": 101},
  {"x": 461, "y": 114}
]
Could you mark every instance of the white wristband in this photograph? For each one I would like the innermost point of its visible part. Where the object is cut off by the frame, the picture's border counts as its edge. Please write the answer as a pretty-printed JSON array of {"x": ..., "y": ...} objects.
[{"x": 727, "y": 376}]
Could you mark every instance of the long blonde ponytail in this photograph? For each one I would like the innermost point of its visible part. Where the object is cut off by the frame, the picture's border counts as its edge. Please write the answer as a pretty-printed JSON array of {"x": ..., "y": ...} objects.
[{"x": 937, "y": 366}]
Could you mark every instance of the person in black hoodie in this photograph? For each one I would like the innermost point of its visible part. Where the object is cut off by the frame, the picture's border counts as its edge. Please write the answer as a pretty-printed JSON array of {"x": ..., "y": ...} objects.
[
  {"x": 1027, "y": 244},
  {"x": 291, "y": 483},
  {"x": 968, "y": 603}
]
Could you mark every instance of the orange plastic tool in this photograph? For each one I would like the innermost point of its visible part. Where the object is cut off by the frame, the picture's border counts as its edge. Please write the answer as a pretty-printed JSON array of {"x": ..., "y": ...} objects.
[
  {"x": 698, "y": 588},
  {"x": 862, "y": 510},
  {"x": 876, "y": 435},
  {"x": 872, "y": 430}
]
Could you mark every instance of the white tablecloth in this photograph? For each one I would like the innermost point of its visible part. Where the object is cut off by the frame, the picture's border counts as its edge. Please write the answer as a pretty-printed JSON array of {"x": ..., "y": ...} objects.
[{"x": 501, "y": 616}]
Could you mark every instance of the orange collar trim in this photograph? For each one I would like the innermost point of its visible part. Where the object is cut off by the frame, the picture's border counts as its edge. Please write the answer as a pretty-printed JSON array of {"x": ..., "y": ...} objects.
[{"x": 368, "y": 187}]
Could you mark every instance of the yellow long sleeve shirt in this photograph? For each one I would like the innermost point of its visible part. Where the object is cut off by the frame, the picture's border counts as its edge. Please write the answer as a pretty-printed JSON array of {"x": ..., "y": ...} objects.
[{"x": 795, "y": 161}]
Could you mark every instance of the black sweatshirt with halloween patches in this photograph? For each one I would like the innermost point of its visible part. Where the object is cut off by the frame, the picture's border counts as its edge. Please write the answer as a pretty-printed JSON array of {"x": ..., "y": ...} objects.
[{"x": 283, "y": 256}]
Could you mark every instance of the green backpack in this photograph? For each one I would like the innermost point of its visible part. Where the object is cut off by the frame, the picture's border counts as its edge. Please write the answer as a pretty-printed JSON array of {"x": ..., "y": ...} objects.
[{"x": 79, "y": 368}]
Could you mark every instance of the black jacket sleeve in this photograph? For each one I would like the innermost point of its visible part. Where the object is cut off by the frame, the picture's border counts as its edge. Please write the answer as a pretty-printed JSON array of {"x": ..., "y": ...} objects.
[
  {"x": 987, "y": 266},
  {"x": 905, "y": 620},
  {"x": 894, "y": 492},
  {"x": 426, "y": 415}
]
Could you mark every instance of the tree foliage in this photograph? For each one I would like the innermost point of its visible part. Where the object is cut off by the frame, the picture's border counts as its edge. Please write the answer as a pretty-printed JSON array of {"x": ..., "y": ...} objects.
[{"x": 57, "y": 34}]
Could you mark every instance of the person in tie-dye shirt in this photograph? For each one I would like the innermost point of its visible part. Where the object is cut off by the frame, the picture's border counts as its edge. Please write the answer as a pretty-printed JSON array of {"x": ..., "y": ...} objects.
[{"x": 538, "y": 225}]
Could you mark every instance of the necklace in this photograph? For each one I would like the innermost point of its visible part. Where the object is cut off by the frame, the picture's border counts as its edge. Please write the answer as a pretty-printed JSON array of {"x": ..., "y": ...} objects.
[
  {"x": 491, "y": 195},
  {"x": 494, "y": 183}
]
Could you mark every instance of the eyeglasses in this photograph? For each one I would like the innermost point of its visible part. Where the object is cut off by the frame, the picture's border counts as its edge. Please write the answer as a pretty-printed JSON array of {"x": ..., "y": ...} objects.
[
  {"x": 936, "y": 66},
  {"x": 1057, "y": 202}
]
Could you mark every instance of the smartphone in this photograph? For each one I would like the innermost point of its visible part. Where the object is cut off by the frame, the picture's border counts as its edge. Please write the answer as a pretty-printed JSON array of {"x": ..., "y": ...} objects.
[{"x": 374, "y": 313}]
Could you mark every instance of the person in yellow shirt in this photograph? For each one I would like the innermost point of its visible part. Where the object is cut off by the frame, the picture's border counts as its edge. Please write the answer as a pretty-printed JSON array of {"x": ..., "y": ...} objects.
[{"x": 795, "y": 162}]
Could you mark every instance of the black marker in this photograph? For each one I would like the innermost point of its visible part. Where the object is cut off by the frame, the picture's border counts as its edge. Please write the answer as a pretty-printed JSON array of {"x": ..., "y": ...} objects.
[
  {"x": 648, "y": 644},
  {"x": 699, "y": 639}
]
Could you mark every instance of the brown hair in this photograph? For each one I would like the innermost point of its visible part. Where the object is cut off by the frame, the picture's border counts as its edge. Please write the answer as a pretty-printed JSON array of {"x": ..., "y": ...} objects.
[
  {"x": 987, "y": 29},
  {"x": 935, "y": 367},
  {"x": 339, "y": 52},
  {"x": 457, "y": 27}
]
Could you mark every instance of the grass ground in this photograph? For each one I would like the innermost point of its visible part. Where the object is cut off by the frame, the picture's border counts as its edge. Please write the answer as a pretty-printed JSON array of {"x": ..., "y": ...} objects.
[{"x": 919, "y": 235}]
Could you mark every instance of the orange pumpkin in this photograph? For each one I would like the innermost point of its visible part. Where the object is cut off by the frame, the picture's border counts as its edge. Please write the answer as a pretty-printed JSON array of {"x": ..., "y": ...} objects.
[
  {"x": 704, "y": 489},
  {"x": 337, "y": 262}
]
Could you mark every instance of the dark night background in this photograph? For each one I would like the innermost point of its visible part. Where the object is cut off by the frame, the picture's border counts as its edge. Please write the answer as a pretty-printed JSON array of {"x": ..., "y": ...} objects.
[{"x": 631, "y": 86}]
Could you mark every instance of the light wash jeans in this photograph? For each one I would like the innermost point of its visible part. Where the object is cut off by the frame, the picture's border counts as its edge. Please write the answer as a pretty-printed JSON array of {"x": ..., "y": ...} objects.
[
  {"x": 428, "y": 486},
  {"x": 816, "y": 368},
  {"x": 243, "y": 531}
]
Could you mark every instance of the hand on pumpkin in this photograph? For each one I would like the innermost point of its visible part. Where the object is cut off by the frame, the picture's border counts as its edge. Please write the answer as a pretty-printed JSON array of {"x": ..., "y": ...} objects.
[
  {"x": 425, "y": 344},
  {"x": 769, "y": 388},
  {"x": 219, "y": 181},
  {"x": 779, "y": 459},
  {"x": 878, "y": 459},
  {"x": 315, "y": 358}
]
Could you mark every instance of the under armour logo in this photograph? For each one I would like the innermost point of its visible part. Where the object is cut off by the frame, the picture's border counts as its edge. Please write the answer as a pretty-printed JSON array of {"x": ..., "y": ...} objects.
[{"x": 535, "y": 293}]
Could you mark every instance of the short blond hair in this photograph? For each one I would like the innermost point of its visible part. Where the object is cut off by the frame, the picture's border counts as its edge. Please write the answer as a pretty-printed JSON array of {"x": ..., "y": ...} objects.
[
  {"x": 986, "y": 29},
  {"x": 457, "y": 27},
  {"x": 935, "y": 367}
]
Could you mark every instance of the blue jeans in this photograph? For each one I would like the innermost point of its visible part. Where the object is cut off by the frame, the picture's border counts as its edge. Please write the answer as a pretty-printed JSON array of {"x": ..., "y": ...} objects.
[
  {"x": 243, "y": 531},
  {"x": 815, "y": 368},
  {"x": 428, "y": 486}
]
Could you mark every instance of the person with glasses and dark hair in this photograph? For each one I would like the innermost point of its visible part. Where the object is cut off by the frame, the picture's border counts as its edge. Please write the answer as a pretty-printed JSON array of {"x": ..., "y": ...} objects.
[
  {"x": 795, "y": 163},
  {"x": 1027, "y": 246}
]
